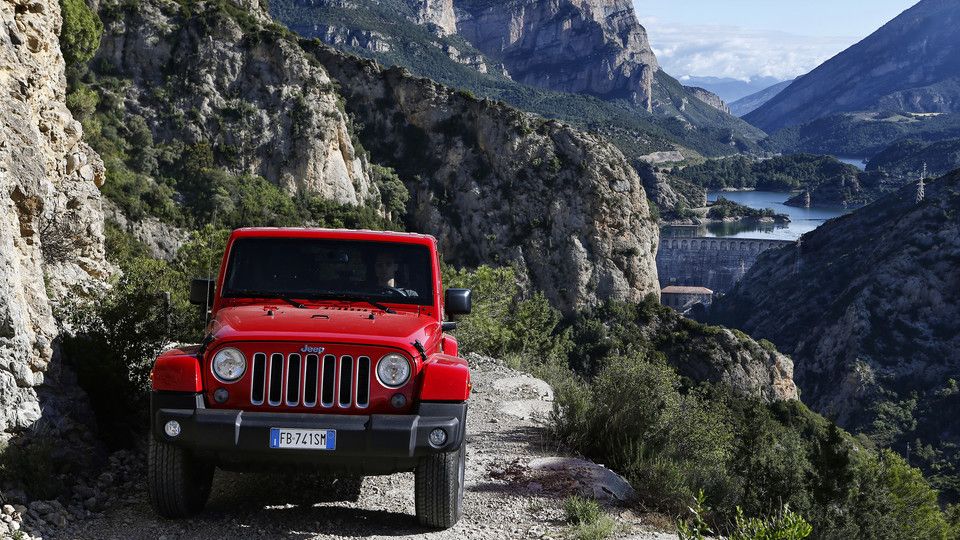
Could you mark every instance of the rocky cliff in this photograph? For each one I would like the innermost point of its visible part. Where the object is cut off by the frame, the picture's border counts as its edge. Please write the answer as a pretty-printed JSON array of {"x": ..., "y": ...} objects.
[
  {"x": 231, "y": 79},
  {"x": 592, "y": 47},
  {"x": 51, "y": 231},
  {"x": 868, "y": 306},
  {"x": 907, "y": 65},
  {"x": 438, "y": 13},
  {"x": 709, "y": 98},
  {"x": 494, "y": 184}
]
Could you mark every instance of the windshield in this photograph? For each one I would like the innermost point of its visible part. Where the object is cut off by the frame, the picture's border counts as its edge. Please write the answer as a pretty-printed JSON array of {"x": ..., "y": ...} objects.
[{"x": 310, "y": 268}]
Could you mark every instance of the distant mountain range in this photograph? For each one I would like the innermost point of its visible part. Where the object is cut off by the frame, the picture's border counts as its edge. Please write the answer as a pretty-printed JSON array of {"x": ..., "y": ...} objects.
[
  {"x": 911, "y": 64},
  {"x": 729, "y": 89},
  {"x": 754, "y": 101},
  {"x": 586, "y": 62}
]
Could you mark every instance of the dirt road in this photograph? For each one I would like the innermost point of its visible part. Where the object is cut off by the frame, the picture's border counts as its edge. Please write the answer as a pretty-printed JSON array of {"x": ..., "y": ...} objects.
[{"x": 505, "y": 496}]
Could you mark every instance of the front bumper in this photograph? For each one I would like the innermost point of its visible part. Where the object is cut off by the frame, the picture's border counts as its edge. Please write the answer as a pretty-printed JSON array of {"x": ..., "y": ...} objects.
[{"x": 376, "y": 443}]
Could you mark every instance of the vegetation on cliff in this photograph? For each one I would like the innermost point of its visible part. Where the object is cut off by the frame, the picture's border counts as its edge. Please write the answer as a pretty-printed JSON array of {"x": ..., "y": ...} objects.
[
  {"x": 869, "y": 312},
  {"x": 725, "y": 209},
  {"x": 907, "y": 159},
  {"x": 829, "y": 181},
  {"x": 629, "y": 394},
  {"x": 862, "y": 134}
]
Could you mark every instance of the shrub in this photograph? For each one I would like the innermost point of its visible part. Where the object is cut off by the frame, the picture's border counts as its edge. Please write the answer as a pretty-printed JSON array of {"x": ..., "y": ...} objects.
[
  {"x": 118, "y": 334},
  {"x": 81, "y": 31},
  {"x": 582, "y": 510},
  {"x": 588, "y": 519},
  {"x": 634, "y": 417},
  {"x": 33, "y": 465},
  {"x": 506, "y": 323},
  {"x": 785, "y": 525}
]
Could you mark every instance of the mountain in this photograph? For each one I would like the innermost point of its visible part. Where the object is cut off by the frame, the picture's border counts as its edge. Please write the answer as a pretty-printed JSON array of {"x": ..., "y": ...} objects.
[
  {"x": 863, "y": 134},
  {"x": 594, "y": 47},
  {"x": 588, "y": 63},
  {"x": 750, "y": 103},
  {"x": 52, "y": 228},
  {"x": 730, "y": 89},
  {"x": 908, "y": 158},
  {"x": 911, "y": 64},
  {"x": 868, "y": 306},
  {"x": 709, "y": 98},
  {"x": 221, "y": 89}
]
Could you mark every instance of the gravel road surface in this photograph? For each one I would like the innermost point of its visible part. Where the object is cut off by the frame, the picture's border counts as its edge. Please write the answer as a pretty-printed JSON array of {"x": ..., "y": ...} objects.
[{"x": 505, "y": 497}]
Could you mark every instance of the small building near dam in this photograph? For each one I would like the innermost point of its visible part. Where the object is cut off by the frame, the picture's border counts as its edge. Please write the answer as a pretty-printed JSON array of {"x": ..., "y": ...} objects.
[
  {"x": 683, "y": 299},
  {"x": 714, "y": 263}
]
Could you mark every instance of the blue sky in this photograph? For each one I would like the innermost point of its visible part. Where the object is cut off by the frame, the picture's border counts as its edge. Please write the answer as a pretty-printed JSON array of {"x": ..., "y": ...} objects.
[{"x": 750, "y": 38}]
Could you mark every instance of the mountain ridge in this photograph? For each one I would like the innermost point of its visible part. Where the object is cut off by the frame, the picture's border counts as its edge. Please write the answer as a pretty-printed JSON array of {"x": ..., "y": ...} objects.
[{"x": 908, "y": 65}]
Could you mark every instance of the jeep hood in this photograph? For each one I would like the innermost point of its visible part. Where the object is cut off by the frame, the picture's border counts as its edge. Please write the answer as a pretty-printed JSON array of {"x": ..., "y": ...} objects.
[{"x": 323, "y": 324}]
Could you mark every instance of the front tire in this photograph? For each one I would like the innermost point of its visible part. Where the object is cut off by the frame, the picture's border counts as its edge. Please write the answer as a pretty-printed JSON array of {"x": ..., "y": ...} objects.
[
  {"x": 178, "y": 483},
  {"x": 439, "y": 483}
]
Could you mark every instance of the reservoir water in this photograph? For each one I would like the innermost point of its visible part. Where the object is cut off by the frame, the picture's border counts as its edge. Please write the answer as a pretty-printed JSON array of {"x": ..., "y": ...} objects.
[
  {"x": 802, "y": 220},
  {"x": 858, "y": 162}
]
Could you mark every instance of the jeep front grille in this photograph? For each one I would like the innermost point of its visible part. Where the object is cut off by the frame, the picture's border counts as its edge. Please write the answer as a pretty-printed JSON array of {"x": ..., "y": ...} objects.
[{"x": 297, "y": 380}]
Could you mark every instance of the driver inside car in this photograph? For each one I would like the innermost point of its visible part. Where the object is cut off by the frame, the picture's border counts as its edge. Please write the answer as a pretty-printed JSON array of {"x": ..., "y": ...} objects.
[{"x": 386, "y": 268}]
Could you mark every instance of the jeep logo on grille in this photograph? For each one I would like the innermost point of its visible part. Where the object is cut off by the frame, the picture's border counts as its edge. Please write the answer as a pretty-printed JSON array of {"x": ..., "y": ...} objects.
[{"x": 309, "y": 349}]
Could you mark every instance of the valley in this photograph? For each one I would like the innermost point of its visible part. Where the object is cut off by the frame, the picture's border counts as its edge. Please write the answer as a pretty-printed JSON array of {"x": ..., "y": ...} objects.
[{"x": 748, "y": 333}]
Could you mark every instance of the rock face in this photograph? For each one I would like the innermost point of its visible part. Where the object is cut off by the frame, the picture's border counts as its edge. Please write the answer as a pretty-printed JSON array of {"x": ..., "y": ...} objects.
[
  {"x": 871, "y": 315},
  {"x": 51, "y": 230},
  {"x": 496, "y": 185},
  {"x": 580, "y": 46},
  {"x": 438, "y": 13},
  {"x": 907, "y": 65},
  {"x": 245, "y": 90},
  {"x": 670, "y": 192},
  {"x": 709, "y": 98}
]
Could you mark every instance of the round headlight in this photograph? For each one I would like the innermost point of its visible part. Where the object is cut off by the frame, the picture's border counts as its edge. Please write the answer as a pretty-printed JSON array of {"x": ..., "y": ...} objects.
[
  {"x": 229, "y": 365},
  {"x": 393, "y": 370}
]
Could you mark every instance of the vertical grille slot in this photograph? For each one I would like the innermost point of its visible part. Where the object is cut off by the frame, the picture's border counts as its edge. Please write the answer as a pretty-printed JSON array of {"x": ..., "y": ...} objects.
[
  {"x": 363, "y": 381},
  {"x": 293, "y": 379},
  {"x": 346, "y": 380},
  {"x": 311, "y": 380},
  {"x": 329, "y": 380},
  {"x": 276, "y": 378},
  {"x": 258, "y": 385}
]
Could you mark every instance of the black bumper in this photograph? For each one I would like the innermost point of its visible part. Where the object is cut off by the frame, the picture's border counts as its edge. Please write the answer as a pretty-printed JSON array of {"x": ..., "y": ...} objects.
[{"x": 372, "y": 444}]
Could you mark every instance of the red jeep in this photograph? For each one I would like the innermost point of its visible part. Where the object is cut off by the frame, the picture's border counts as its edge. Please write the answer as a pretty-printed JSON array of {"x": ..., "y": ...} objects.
[{"x": 326, "y": 349}]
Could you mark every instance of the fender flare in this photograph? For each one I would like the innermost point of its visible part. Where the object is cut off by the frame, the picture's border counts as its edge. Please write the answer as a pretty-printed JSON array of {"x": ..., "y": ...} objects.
[
  {"x": 176, "y": 371},
  {"x": 445, "y": 378}
]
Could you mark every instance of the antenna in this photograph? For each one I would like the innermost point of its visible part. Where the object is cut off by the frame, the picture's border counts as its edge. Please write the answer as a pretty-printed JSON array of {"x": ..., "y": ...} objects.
[{"x": 210, "y": 242}]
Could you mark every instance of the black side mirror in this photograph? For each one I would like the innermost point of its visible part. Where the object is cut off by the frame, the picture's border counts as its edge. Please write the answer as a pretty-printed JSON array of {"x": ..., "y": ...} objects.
[
  {"x": 458, "y": 301},
  {"x": 201, "y": 292}
]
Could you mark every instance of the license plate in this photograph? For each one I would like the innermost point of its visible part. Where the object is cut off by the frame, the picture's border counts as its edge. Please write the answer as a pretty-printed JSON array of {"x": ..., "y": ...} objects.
[{"x": 303, "y": 439}]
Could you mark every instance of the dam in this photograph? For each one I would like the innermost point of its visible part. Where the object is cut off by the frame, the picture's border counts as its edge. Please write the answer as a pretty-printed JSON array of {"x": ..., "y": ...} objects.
[{"x": 715, "y": 263}]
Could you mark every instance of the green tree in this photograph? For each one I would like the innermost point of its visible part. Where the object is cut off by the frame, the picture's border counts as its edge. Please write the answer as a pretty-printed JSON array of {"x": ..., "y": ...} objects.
[{"x": 81, "y": 31}]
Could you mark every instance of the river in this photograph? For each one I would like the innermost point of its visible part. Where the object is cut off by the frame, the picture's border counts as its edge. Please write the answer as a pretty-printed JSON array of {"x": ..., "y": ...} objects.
[{"x": 802, "y": 220}]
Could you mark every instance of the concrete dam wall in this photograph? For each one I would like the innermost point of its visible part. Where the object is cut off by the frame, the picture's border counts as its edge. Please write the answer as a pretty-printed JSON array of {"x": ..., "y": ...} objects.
[{"x": 715, "y": 263}]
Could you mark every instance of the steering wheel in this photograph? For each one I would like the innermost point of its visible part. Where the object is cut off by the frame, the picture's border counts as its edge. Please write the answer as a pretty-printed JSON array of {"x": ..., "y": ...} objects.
[{"x": 391, "y": 291}]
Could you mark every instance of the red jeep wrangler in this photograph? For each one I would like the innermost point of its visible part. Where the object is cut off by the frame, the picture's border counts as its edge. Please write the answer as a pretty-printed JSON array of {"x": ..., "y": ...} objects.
[{"x": 326, "y": 349}]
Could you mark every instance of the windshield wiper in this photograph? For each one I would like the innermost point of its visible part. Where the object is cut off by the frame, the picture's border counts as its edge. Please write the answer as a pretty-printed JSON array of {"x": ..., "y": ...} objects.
[
  {"x": 265, "y": 294},
  {"x": 360, "y": 297}
]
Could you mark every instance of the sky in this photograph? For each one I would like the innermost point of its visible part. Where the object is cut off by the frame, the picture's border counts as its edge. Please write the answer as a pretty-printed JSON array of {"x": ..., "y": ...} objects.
[{"x": 745, "y": 39}]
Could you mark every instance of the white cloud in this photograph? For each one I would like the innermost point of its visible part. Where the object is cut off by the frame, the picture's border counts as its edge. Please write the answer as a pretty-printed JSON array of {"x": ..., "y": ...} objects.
[{"x": 739, "y": 53}]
